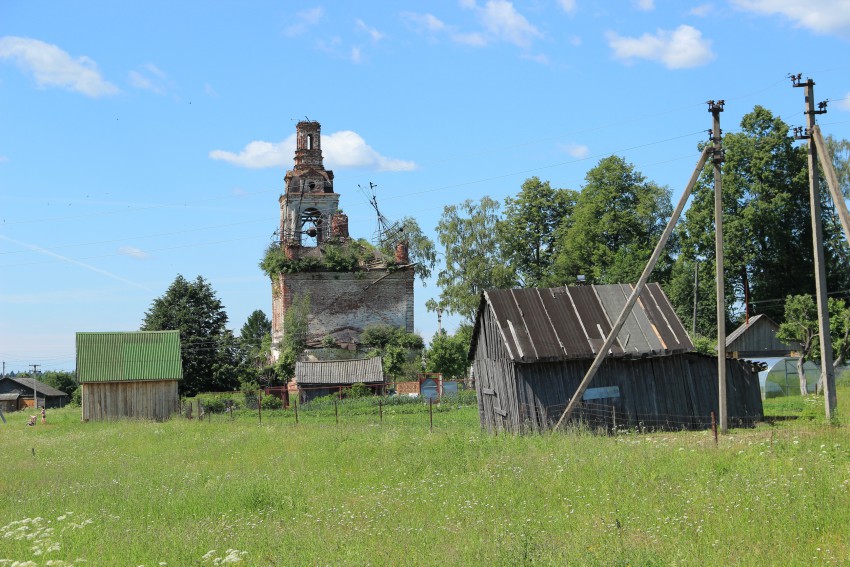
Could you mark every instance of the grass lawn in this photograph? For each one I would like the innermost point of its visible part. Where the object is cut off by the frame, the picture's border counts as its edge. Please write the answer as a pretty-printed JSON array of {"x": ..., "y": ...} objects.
[{"x": 220, "y": 491}]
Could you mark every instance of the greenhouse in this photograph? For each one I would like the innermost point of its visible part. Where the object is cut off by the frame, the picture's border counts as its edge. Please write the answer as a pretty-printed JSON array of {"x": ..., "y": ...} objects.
[{"x": 780, "y": 377}]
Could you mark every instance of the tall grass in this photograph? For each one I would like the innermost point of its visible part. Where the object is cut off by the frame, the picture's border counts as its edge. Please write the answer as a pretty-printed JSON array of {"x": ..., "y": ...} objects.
[{"x": 361, "y": 492}]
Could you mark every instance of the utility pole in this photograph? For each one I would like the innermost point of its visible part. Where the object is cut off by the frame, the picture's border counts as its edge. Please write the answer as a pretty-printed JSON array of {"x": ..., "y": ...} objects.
[
  {"x": 439, "y": 320},
  {"x": 717, "y": 157},
  {"x": 827, "y": 375},
  {"x": 34, "y": 391},
  {"x": 696, "y": 292}
]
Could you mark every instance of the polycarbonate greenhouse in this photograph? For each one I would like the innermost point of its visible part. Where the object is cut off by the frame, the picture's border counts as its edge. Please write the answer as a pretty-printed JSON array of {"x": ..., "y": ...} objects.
[{"x": 780, "y": 377}]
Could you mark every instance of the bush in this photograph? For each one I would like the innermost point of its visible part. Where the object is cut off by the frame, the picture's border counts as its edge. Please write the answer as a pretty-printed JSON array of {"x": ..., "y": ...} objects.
[
  {"x": 358, "y": 390},
  {"x": 271, "y": 402}
]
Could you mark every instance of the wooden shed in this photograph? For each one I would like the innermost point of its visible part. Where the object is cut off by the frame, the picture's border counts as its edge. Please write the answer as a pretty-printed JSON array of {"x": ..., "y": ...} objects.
[
  {"x": 532, "y": 347},
  {"x": 757, "y": 339},
  {"x": 131, "y": 374},
  {"x": 315, "y": 379},
  {"x": 19, "y": 392}
]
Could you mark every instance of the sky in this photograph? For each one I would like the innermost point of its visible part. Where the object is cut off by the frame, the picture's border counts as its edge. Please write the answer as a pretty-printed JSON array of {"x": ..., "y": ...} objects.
[{"x": 142, "y": 140}]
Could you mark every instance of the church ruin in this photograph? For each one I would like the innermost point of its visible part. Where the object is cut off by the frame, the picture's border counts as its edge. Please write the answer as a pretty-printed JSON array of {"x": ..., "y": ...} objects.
[{"x": 348, "y": 283}]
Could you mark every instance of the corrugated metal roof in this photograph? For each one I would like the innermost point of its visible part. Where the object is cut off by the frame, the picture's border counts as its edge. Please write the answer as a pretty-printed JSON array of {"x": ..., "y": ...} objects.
[
  {"x": 340, "y": 372},
  {"x": 572, "y": 322},
  {"x": 122, "y": 357},
  {"x": 40, "y": 387}
]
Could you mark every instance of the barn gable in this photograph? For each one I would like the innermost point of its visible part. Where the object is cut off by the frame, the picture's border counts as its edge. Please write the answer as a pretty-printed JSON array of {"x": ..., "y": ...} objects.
[{"x": 757, "y": 339}]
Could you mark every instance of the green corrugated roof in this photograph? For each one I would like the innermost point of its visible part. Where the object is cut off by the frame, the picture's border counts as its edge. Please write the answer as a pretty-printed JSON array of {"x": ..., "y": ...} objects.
[{"x": 121, "y": 357}]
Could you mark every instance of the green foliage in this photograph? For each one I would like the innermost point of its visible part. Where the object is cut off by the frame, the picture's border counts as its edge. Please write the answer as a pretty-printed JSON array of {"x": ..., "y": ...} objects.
[
  {"x": 705, "y": 345},
  {"x": 397, "y": 348},
  {"x": 77, "y": 397},
  {"x": 271, "y": 402},
  {"x": 335, "y": 257},
  {"x": 328, "y": 341},
  {"x": 358, "y": 390},
  {"x": 766, "y": 225},
  {"x": 448, "y": 354},
  {"x": 212, "y": 360},
  {"x": 63, "y": 381},
  {"x": 801, "y": 324},
  {"x": 527, "y": 234},
  {"x": 618, "y": 218},
  {"x": 255, "y": 329},
  {"x": 473, "y": 257},
  {"x": 420, "y": 249}
]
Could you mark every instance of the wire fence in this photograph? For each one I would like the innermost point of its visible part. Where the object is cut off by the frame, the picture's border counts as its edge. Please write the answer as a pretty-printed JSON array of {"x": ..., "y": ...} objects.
[{"x": 461, "y": 412}]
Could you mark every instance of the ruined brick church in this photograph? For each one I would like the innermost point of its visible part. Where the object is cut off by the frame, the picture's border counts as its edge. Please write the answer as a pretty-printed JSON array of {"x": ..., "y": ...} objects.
[{"x": 344, "y": 298}]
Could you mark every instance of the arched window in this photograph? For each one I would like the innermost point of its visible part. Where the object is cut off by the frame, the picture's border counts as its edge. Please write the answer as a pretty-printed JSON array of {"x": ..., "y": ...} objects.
[{"x": 309, "y": 141}]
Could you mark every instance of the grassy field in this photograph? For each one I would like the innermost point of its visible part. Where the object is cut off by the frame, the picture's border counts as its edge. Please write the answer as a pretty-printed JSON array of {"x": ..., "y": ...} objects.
[{"x": 316, "y": 493}]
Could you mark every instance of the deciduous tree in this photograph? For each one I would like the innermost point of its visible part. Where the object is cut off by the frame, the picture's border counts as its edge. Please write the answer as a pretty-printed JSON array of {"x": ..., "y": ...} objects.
[
  {"x": 527, "y": 233},
  {"x": 618, "y": 218},
  {"x": 473, "y": 257}
]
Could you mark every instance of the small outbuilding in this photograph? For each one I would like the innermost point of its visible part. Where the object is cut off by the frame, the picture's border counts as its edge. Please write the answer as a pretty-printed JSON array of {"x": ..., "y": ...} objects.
[
  {"x": 780, "y": 378},
  {"x": 133, "y": 374},
  {"x": 19, "y": 392},
  {"x": 532, "y": 347},
  {"x": 757, "y": 339},
  {"x": 315, "y": 379}
]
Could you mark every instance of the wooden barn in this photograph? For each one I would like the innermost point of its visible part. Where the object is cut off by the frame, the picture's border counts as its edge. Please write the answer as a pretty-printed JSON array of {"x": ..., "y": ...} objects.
[
  {"x": 315, "y": 379},
  {"x": 19, "y": 392},
  {"x": 532, "y": 347},
  {"x": 757, "y": 339},
  {"x": 131, "y": 375}
]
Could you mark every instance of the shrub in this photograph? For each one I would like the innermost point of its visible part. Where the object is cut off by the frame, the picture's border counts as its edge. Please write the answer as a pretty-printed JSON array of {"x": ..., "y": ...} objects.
[{"x": 271, "y": 402}]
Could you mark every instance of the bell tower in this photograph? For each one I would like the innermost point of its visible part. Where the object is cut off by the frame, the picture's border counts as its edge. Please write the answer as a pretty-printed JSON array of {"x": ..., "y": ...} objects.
[{"x": 308, "y": 204}]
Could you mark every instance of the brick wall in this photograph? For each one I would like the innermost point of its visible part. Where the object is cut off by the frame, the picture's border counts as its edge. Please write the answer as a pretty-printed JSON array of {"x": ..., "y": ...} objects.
[{"x": 343, "y": 304}]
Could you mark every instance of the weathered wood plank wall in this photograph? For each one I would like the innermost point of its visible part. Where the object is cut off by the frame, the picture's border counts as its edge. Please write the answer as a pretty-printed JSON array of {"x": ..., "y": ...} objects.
[{"x": 154, "y": 399}]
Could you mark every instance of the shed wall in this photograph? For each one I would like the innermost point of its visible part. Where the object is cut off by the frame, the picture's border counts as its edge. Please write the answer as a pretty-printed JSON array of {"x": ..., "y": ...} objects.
[{"x": 155, "y": 400}]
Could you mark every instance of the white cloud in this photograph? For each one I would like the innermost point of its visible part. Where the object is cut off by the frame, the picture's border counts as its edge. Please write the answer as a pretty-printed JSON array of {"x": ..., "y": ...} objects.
[
  {"x": 644, "y": 5},
  {"x": 701, "y": 11},
  {"x": 682, "y": 48},
  {"x": 53, "y": 67},
  {"x": 575, "y": 40},
  {"x": 504, "y": 23},
  {"x": 577, "y": 151},
  {"x": 373, "y": 33},
  {"x": 356, "y": 55},
  {"x": 149, "y": 78},
  {"x": 821, "y": 16},
  {"x": 210, "y": 91},
  {"x": 304, "y": 20},
  {"x": 568, "y": 6},
  {"x": 133, "y": 252},
  {"x": 471, "y": 39},
  {"x": 4, "y": 159},
  {"x": 424, "y": 22},
  {"x": 844, "y": 103},
  {"x": 341, "y": 150}
]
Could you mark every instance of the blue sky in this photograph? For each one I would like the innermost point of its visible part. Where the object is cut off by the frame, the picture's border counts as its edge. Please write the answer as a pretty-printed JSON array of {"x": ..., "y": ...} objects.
[{"x": 141, "y": 140}]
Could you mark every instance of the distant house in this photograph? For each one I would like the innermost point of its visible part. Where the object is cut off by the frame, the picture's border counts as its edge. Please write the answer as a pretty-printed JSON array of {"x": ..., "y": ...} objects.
[
  {"x": 17, "y": 393},
  {"x": 131, "y": 374},
  {"x": 315, "y": 379},
  {"x": 757, "y": 339},
  {"x": 532, "y": 347}
]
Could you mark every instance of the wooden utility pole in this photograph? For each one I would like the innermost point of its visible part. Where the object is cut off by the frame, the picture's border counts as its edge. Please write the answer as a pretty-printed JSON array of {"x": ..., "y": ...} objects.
[
  {"x": 717, "y": 157},
  {"x": 827, "y": 375},
  {"x": 831, "y": 180},
  {"x": 696, "y": 293},
  {"x": 627, "y": 308},
  {"x": 34, "y": 391}
]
